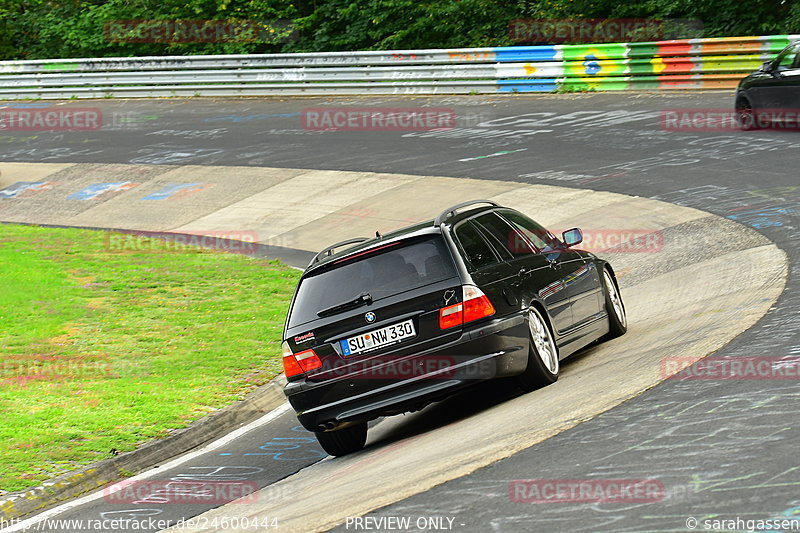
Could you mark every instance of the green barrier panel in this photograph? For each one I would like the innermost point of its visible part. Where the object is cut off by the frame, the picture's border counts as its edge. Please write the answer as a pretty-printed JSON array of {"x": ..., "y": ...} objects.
[{"x": 582, "y": 52}]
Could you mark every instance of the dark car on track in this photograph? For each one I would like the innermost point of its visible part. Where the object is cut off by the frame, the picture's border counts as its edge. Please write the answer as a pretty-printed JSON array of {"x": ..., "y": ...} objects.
[
  {"x": 771, "y": 94},
  {"x": 387, "y": 325}
]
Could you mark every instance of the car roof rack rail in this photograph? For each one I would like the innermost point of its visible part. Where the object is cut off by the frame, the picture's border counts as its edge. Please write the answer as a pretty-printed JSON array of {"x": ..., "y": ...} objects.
[
  {"x": 328, "y": 251},
  {"x": 452, "y": 209}
]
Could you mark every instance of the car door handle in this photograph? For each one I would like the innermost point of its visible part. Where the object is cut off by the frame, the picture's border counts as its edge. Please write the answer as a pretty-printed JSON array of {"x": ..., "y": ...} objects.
[{"x": 524, "y": 272}]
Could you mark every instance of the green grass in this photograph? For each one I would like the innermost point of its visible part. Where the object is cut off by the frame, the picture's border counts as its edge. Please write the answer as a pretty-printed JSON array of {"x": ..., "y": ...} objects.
[{"x": 103, "y": 349}]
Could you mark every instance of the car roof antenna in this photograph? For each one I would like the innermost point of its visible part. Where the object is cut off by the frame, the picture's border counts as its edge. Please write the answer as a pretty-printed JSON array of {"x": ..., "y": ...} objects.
[{"x": 378, "y": 235}]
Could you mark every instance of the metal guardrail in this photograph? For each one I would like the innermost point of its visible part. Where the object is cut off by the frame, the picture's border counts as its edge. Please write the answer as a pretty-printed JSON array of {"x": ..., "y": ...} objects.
[{"x": 679, "y": 64}]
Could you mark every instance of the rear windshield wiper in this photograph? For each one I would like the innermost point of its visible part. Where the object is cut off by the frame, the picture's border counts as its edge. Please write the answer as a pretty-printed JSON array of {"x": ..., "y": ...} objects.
[{"x": 362, "y": 299}]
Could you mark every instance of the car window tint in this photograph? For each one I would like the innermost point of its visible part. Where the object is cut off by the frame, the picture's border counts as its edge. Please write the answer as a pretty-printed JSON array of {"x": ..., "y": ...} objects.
[
  {"x": 505, "y": 234},
  {"x": 786, "y": 59},
  {"x": 499, "y": 246},
  {"x": 476, "y": 250},
  {"x": 399, "y": 268},
  {"x": 542, "y": 239}
]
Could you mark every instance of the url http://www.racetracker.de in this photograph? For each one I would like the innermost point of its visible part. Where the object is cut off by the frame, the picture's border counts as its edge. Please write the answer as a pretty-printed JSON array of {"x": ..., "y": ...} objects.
[{"x": 102, "y": 525}]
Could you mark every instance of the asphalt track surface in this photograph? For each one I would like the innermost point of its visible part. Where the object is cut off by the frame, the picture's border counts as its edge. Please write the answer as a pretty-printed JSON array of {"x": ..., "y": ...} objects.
[
  {"x": 209, "y": 479},
  {"x": 725, "y": 449}
]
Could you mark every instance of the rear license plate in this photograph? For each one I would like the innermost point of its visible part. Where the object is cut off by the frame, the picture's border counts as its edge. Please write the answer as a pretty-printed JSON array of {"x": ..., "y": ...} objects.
[{"x": 378, "y": 338}]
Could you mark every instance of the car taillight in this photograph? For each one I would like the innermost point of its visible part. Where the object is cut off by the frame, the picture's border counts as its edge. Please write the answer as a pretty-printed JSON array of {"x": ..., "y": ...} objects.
[
  {"x": 451, "y": 316},
  {"x": 474, "y": 305},
  {"x": 298, "y": 363}
]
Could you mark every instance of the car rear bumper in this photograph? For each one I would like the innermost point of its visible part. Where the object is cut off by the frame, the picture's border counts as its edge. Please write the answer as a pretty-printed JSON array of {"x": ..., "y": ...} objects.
[{"x": 498, "y": 348}]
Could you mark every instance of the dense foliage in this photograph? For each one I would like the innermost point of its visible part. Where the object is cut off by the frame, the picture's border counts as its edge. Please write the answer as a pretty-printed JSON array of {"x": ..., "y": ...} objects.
[{"x": 31, "y": 29}]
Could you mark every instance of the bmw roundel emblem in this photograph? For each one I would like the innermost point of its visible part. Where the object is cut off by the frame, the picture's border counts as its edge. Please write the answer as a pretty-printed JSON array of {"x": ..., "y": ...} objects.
[{"x": 370, "y": 317}]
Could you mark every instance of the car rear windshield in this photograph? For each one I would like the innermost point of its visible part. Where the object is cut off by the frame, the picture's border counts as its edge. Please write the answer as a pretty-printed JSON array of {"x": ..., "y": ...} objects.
[{"x": 395, "y": 269}]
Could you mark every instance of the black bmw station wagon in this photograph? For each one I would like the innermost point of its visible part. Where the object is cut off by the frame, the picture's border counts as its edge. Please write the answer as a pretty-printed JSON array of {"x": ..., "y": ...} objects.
[
  {"x": 771, "y": 95},
  {"x": 387, "y": 325}
]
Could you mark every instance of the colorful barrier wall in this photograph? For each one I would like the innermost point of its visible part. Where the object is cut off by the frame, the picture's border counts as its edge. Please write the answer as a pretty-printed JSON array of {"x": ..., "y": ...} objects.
[{"x": 679, "y": 64}]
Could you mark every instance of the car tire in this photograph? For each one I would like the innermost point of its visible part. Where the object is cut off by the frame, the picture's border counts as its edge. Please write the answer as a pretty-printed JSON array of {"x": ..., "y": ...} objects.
[
  {"x": 343, "y": 441},
  {"x": 615, "y": 308},
  {"x": 543, "y": 364},
  {"x": 745, "y": 115}
]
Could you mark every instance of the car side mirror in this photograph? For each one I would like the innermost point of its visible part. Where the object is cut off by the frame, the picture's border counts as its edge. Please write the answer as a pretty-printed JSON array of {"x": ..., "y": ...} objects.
[
  {"x": 571, "y": 237},
  {"x": 766, "y": 66}
]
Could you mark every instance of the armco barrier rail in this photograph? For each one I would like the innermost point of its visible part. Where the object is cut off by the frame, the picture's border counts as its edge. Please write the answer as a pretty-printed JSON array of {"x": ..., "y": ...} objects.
[{"x": 680, "y": 64}]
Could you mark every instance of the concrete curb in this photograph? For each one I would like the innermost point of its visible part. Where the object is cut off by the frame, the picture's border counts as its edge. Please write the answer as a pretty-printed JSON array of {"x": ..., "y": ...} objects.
[{"x": 67, "y": 486}]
